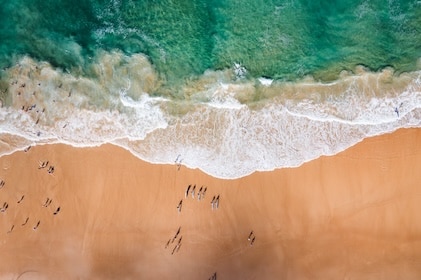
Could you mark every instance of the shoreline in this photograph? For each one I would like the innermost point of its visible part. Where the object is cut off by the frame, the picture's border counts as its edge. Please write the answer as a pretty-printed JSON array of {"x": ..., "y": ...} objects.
[
  {"x": 351, "y": 215},
  {"x": 6, "y": 139},
  {"x": 295, "y": 122}
]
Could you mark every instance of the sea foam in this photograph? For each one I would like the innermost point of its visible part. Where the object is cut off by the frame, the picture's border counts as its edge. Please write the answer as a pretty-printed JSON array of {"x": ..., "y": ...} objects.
[{"x": 224, "y": 124}]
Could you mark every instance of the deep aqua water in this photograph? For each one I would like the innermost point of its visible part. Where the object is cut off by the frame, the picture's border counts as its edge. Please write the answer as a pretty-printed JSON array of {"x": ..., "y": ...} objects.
[{"x": 284, "y": 39}]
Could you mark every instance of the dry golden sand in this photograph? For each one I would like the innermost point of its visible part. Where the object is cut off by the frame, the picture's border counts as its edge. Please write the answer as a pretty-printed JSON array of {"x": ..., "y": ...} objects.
[{"x": 356, "y": 215}]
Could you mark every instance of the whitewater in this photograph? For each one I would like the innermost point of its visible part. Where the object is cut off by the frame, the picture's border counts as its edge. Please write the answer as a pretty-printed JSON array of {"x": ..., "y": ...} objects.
[{"x": 226, "y": 125}]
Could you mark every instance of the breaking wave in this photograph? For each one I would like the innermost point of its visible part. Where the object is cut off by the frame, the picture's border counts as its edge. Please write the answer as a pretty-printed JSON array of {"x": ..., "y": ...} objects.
[{"x": 224, "y": 124}]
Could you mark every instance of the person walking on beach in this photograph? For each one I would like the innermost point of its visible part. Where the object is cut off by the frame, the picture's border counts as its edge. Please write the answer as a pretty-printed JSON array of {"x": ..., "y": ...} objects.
[
  {"x": 252, "y": 241},
  {"x": 192, "y": 192},
  {"x": 187, "y": 191},
  {"x": 204, "y": 192},
  {"x": 20, "y": 200},
  {"x": 45, "y": 204},
  {"x": 35, "y": 227},
  {"x": 2, "y": 184},
  {"x": 217, "y": 202},
  {"x": 180, "y": 204},
  {"x": 58, "y": 210},
  {"x": 51, "y": 169},
  {"x": 13, "y": 226},
  {"x": 173, "y": 250},
  {"x": 212, "y": 202},
  {"x": 199, "y": 194},
  {"x": 250, "y": 235},
  {"x": 178, "y": 247},
  {"x": 176, "y": 235},
  {"x": 5, "y": 206},
  {"x": 43, "y": 164}
]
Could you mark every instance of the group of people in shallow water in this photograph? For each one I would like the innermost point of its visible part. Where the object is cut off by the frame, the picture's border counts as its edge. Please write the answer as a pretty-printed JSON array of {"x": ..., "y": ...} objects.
[{"x": 42, "y": 165}]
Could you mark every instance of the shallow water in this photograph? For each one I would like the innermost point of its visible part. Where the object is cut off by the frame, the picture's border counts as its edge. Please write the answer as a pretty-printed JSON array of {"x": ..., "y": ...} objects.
[{"x": 229, "y": 87}]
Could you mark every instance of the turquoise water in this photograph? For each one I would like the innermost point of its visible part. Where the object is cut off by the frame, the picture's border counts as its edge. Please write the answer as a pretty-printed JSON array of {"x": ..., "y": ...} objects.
[
  {"x": 227, "y": 86},
  {"x": 284, "y": 40}
]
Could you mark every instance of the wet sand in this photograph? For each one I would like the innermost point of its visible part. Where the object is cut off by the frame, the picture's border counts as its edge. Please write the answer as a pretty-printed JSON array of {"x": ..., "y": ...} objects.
[{"x": 356, "y": 215}]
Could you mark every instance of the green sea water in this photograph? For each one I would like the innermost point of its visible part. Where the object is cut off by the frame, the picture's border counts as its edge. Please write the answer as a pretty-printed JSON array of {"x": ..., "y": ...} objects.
[
  {"x": 227, "y": 86},
  {"x": 280, "y": 39}
]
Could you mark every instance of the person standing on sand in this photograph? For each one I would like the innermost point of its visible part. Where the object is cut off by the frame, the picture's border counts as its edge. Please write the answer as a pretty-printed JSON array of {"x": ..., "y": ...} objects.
[
  {"x": 20, "y": 200},
  {"x": 217, "y": 202},
  {"x": 179, "y": 206},
  {"x": 199, "y": 194},
  {"x": 176, "y": 235},
  {"x": 13, "y": 226},
  {"x": 192, "y": 192},
  {"x": 45, "y": 204},
  {"x": 213, "y": 277},
  {"x": 4, "y": 208},
  {"x": 250, "y": 235},
  {"x": 35, "y": 227},
  {"x": 43, "y": 164},
  {"x": 168, "y": 243},
  {"x": 252, "y": 241},
  {"x": 51, "y": 169},
  {"x": 212, "y": 202},
  {"x": 58, "y": 210}
]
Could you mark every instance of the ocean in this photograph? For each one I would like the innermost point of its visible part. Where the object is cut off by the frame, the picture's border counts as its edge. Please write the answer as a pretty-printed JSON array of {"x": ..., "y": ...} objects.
[{"x": 230, "y": 87}]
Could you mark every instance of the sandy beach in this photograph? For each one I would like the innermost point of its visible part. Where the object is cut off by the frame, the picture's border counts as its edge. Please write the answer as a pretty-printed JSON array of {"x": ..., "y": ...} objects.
[{"x": 101, "y": 213}]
